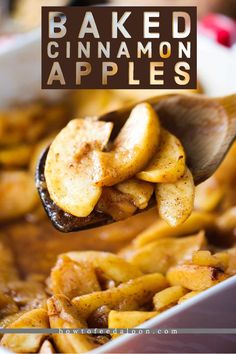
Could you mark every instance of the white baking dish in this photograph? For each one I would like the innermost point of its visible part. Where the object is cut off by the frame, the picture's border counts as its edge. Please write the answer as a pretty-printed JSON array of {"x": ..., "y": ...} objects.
[{"x": 20, "y": 72}]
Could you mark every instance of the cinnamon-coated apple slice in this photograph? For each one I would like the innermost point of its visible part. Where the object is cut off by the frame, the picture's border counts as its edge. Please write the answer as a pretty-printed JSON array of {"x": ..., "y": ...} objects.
[
  {"x": 69, "y": 167},
  {"x": 133, "y": 148},
  {"x": 168, "y": 164},
  {"x": 175, "y": 200},
  {"x": 139, "y": 192}
]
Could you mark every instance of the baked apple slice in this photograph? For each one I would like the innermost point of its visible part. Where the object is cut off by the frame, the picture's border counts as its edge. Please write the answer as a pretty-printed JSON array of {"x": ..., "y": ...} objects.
[
  {"x": 70, "y": 168},
  {"x": 175, "y": 200},
  {"x": 139, "y": 192},
  {"x": 133, "y": 148},
  {"x": 168, "y": 164}
]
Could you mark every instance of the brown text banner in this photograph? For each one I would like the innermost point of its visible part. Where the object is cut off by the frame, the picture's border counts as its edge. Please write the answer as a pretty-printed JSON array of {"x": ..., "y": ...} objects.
[{"x": 119, "y": 47}]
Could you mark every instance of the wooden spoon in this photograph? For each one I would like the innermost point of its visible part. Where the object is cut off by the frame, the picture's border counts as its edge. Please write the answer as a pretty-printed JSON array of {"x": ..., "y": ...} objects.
[{"x": 205, "y": 126}]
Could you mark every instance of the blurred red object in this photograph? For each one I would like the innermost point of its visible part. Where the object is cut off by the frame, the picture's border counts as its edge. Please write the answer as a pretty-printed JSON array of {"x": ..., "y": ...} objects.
[{"x": 219, "y": 27}]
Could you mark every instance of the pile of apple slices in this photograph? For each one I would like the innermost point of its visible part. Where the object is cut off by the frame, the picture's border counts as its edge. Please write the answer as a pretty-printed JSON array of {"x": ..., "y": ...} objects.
[{"x": 85, "y": 170}]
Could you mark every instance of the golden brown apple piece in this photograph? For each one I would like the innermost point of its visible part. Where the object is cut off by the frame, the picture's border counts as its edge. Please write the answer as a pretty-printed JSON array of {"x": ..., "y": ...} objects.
[
  {"x": 69, "y": 167},
  {"x": 139, "y": 192},
  {"x": 18, "y": 195},
  {"x": 168, "y": 164},
  {"x": 71, "y": 278},
  {"x": 175, "y": 200},
  {"x": 160, "y": 255},
  {"x": 128, "y": 319},
  {"x": 62, "y": 314},
  {"x": 115, "y": 204},
  {"x": 107, "y": 265},
  {"x": 195, "y": 277},
  {"x": 160, "y": 229},
  {"x": 26, "y": 343},
  {"x": 168, "y": 297},
  {"x": 205, "y": 258},
  {"x": 128, "y": 296},
  {"x": 132, "y": 149}
]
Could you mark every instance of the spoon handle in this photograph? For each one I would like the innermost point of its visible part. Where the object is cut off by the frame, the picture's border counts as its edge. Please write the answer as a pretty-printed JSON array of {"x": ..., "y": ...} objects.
[{"x": 229, "y": 104}]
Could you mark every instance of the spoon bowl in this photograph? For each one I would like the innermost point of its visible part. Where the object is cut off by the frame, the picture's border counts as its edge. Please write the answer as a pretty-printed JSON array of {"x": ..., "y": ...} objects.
[{"x": 206, "y": 127}]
